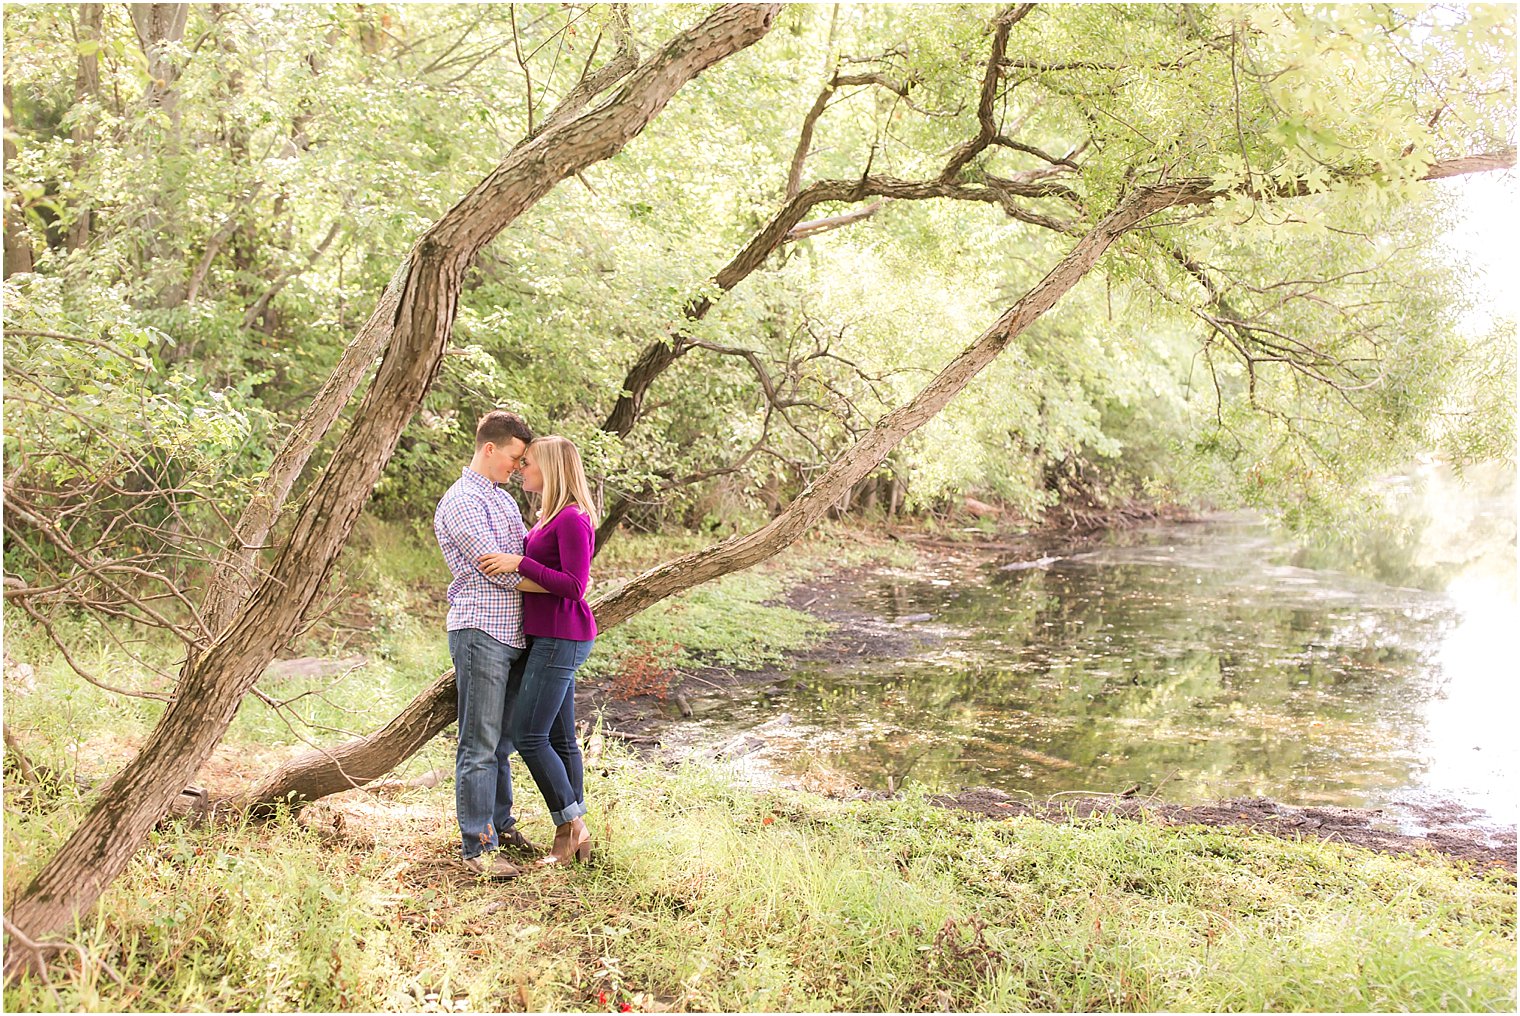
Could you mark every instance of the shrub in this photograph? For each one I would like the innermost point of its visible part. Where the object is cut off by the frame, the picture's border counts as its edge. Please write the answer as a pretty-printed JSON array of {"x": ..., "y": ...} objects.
[{"x": 645, "y": 669}]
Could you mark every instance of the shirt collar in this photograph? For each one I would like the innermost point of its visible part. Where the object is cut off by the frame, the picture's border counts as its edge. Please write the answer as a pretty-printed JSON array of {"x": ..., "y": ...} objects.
[{"x": 478, "y": 479}]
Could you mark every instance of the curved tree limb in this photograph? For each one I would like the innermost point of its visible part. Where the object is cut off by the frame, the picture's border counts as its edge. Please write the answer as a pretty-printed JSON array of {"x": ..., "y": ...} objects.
[{"x": 786, "y": 224}]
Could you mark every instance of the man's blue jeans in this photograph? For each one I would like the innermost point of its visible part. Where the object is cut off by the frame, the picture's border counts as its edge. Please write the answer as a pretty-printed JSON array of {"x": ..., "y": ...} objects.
[
  {"x": 543, "y": 724},
  {"x": 487, "y": 673}
]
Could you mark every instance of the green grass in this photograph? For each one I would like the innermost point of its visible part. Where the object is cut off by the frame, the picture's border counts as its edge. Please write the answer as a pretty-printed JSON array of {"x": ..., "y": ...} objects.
[
  {"x": 704, "y": 896},
  {"x": 724, "y": 623},
  {"x": 696, "y": 900}
]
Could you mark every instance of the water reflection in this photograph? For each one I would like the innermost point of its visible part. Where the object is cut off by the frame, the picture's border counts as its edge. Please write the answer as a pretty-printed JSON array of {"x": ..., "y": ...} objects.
[{"x": 1197, "y": 661}]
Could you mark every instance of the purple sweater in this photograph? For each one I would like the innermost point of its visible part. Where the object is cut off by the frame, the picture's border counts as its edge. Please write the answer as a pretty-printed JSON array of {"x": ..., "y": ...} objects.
[{"x": 558, "y": 557}]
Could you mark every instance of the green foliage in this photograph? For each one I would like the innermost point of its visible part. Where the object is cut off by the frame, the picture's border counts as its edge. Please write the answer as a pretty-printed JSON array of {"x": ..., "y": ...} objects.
[
  {"x": 325, "y": 138},
  {"x": 207, "y": 244}
]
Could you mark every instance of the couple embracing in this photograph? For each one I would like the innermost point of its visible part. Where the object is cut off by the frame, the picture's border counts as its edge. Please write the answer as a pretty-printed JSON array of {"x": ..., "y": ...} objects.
[{"x": 519, "y": 628}]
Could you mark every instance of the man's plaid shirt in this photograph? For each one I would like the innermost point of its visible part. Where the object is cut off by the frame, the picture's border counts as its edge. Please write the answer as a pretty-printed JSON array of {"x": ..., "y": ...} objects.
[{"x": 477, "y": 517}]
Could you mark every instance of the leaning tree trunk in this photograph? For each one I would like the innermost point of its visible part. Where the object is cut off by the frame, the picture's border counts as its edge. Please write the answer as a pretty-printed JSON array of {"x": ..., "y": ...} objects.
[
  {"x": 213, "y": 685},
  {"x": 328, "y": 771},
  {"x": 18, "y": 248},
  {"x": 234, "y": 575}
]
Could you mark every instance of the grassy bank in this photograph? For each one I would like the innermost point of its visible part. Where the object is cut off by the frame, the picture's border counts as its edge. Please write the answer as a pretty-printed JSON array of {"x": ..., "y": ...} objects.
[{"x": 705, "y": 896}]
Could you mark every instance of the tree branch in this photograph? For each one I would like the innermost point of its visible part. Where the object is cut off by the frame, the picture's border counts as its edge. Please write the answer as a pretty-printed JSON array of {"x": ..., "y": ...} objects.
[
  {"x": 434, "y": 709},
  {"x": 215, "y": 683}
]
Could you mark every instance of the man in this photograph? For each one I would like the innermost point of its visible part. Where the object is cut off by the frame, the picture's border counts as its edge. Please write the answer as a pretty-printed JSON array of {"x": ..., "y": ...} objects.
[{"x": 486, "y": 639}]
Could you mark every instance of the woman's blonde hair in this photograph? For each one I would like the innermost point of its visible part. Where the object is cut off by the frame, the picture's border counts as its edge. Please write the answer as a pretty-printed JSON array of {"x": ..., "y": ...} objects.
[{"x": 559, "y": 461}]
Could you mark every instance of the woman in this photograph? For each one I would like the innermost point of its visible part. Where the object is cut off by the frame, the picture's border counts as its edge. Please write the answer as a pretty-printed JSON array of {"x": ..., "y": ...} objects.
[{"x": 560, "y": 630}]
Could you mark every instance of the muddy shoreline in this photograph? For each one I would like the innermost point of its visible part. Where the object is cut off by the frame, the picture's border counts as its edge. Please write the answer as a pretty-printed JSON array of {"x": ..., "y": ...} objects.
[{"x": 1444, "y": 827}]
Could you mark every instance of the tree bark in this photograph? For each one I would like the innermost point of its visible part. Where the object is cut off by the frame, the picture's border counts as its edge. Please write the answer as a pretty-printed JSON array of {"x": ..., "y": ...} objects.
[
  {"x": 18, "y": 248},
  {"x": 213, "y": 685},
  {"x": 86, "y": 86},
  {"x": 318, "y": 773},
  {"x": 159, "y": 27}
]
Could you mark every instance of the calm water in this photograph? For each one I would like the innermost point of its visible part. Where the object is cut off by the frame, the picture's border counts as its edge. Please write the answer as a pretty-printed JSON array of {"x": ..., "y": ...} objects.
[{"x": 1198, "y": 661}]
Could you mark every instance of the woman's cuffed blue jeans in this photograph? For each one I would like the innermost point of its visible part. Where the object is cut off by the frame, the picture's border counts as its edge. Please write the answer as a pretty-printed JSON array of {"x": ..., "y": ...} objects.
[
  {"x": 543, "y": 724},
  {"x": 487, "y": 674}
]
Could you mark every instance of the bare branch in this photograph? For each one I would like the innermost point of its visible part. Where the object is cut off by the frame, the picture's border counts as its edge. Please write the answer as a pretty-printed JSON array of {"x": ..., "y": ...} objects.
[
  {"x": 815, "y": 226},
  {"x": 262, "y": 303},
  {"x": 222, "y": 234},
  {"x": 593, "y": 83}
]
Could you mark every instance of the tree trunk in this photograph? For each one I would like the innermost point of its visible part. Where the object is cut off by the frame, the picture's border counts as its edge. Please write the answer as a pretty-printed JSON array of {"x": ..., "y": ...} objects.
[
  {"x": 610, "y": 521},
  {"x": 867, "y": 499},
  {"x": 213, "y": 685},
  {"x": 319, "y": 773},
  {"x": 159, "y": 27},
  {"x": 86, "y": 86},
  {"x": 294, "y": 782},
  {"x": 18, "y": 248}
]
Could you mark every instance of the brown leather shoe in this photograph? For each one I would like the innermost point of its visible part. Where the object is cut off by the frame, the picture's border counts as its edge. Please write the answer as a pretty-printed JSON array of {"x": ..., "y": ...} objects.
[
  {"x": 491, "y": 866},
  {"x": 513, "y": 839},
  {"x": 572, "y": 841}
]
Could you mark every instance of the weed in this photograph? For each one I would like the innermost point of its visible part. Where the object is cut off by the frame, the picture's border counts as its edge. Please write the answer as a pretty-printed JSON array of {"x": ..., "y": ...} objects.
[{"x": 645, "y": 668}]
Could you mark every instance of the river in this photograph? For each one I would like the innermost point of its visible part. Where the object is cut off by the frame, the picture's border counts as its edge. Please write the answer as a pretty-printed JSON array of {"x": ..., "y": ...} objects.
[{"x": 1190, "y": 661}]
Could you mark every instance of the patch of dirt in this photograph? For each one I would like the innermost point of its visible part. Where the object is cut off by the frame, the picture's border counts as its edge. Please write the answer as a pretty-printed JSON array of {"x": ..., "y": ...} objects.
[
  {"x": 1447, "y": 826},
  {"x": 642, "y": 720}
]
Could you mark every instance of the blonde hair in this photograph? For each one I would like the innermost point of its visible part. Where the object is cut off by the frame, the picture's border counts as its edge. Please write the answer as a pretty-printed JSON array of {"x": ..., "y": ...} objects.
[{"x": 565, "y": 483}]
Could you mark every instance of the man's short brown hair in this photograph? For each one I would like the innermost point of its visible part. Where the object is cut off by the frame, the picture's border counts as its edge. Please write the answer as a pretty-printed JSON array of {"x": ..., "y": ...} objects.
[{"x": 498, "y": 426}]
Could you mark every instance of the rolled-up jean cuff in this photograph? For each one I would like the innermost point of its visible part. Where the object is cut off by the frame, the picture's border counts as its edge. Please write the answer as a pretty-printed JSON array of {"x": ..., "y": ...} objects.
[{"x": 571, "y": 812}]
